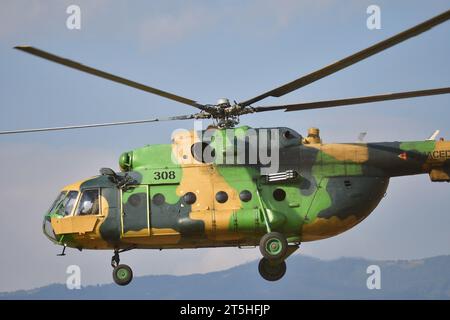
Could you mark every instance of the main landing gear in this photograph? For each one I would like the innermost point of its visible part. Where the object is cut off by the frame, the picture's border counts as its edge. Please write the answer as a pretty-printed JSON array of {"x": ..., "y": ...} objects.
[
  {"x": 275, "y": 250},
  {"x": 122, "y": 273}
]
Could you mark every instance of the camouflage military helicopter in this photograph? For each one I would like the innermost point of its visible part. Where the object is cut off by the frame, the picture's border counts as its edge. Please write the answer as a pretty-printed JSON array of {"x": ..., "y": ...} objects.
[{"x": 181, "y": 195}]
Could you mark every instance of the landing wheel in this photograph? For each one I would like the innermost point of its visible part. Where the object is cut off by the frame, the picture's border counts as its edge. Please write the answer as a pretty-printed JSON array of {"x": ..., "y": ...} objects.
[
  {"x": 122, "y": 274},
  {"x": 270, "y": 270},
  {"x": 273, "y": 246}
]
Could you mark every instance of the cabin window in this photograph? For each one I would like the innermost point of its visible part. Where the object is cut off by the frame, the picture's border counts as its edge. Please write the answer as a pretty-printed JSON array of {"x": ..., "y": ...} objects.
[
  {"x": 190, "y": 198},
  {"x": 288, "y": 135},
  {"x": 221, "y": 197},
  {"x": 158, "y": 199},
  {"x": 245, "y": 195},
  {"x": 135, "y": 200},
  {"x": 279, "y": 194},
  {"x": 89, "y": 203}
]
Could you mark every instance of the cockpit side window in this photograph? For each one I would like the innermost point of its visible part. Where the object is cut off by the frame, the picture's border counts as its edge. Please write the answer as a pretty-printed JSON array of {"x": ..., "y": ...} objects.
[{"x": 89, "y": 203}]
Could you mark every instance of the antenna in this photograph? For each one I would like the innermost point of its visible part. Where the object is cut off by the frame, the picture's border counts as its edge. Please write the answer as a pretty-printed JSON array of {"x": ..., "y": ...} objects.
[
  {"x": 434, "y": 135},
  {"x": 361, "y": 136}
]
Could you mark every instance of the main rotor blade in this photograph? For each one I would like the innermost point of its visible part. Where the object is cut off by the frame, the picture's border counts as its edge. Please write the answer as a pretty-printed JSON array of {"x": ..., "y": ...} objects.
[
  {"x": 192, "y": 116},
  {"x": 350, "y": 60},
  {"x": 358, "y": 100},
  {"x": 105, "y": 75}
]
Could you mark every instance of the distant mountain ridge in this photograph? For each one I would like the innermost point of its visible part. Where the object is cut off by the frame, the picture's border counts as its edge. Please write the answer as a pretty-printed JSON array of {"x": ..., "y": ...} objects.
[{"x": 306, "y": 278}]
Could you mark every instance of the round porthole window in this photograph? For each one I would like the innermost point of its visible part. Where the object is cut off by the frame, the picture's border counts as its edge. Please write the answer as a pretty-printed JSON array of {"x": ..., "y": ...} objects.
[
  {"x": 288, "y": 135},
  {"x": 190, "y": 198},
  {"x": 158, "y": 199},
  {"x": 245, "y": 195},
  {"x": 279, "y": 194},
  {"x": 221, "y": 197},
  {"x": 135, "y": 200}
]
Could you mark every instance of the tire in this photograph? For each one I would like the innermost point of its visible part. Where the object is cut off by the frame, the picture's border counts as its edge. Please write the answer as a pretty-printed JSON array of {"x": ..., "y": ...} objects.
[
  {"x": 271, "y": 271},
  {"x": 122, "y": 275},
  {"x": 273, "y": 246}
]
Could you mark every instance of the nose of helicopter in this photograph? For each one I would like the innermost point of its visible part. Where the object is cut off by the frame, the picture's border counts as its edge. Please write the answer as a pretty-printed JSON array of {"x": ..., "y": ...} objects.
[{"x": 61, "y": 206}]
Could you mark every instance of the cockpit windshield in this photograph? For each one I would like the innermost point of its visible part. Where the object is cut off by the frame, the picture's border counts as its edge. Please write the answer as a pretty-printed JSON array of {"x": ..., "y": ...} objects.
[
  {"x": 64, "y": 203},
  {"x": 57, "y": 201}
]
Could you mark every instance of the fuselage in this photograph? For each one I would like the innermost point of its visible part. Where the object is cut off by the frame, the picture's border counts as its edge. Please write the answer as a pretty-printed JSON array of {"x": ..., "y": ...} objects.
[{"x": 173, "y": 199}]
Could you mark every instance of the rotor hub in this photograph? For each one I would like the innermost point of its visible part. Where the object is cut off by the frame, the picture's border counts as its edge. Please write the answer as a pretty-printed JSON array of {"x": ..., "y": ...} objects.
[{"x": 223, "y": 103}]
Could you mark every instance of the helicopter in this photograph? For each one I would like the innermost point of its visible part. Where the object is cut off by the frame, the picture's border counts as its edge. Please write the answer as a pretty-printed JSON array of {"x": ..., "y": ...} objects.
[{"x": 215, "y": 188}]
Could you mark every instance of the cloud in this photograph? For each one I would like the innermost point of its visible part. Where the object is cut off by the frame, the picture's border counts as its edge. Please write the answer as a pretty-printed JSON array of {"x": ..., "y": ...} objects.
[
  {"x": 15, "y": 16},
  {"x": 254, "y": 17},
  {"x": 18, "y": 17},
  {"x": 281, "y": 13},
  {"x": 159, "y": 24},
  {"x": 169, "y": 28}
]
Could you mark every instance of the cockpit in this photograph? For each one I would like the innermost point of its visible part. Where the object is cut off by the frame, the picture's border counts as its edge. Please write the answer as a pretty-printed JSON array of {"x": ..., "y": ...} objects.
[
  {"x": 81, "y": 207},
  {"x": 71, "y": 203},
  {"x": 64, "y": 203}
]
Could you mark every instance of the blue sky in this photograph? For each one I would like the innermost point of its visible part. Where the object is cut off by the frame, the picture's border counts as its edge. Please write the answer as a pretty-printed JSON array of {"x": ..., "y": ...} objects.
[{"x": 206, "y": 50}]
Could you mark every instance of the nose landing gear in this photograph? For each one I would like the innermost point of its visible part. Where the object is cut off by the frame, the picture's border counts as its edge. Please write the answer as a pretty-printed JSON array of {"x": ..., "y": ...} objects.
[{"x": 122, "y": 273}]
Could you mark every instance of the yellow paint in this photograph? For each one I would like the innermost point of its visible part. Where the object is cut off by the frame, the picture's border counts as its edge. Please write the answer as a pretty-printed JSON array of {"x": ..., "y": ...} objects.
[
  {"x": 204, "y": 180},
  {"x": 140, "y": 233},
  {"x": 322, "y": 228},
  {"x": 154, "y": 241},
  {"x": 87, "y": 242},
  {"x": 439, "y": 174},
  {"x": 356, "y": 153},
  {"x": 74, "y": 224},
  {"x": 164, "y": 231},
  {"x": 440, "y": 154},
  {"x": 85, "y": 230},
  {"x": 160, "y": 236},
  {"x": 223, "y": 219},
  {"x": 75, "y": 186}
]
